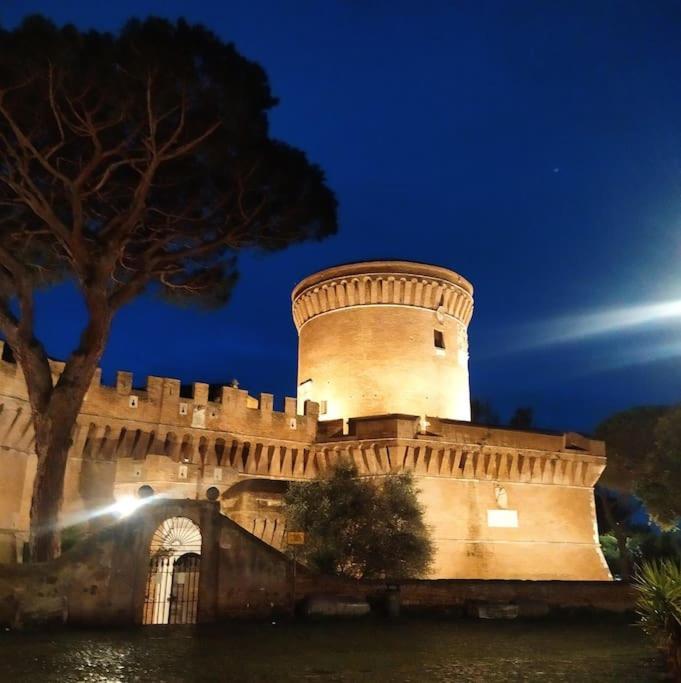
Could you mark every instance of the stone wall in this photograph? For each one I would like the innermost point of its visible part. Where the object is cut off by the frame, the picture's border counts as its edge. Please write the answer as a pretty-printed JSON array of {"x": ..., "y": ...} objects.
[
  {"x": 384, "y": 337},
  {"x": 457, "y": 597},
  {"x": 102, "y": 580},
  {"x": 126, "y": 437},
  {"x": 502, "y": 503}
]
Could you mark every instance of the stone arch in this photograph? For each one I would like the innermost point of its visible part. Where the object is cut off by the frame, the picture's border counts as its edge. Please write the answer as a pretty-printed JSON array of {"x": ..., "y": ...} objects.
[
  {"x": 89, "y": 448},
  {"x": 109, "y": 441},
  {"x": 186, "y": 448},
  {"x": 245, "y": 454},
  {"x": 172, "y": 587},
  {"x": 219, "y": 452},
  {"x": 203, "y": 450}
]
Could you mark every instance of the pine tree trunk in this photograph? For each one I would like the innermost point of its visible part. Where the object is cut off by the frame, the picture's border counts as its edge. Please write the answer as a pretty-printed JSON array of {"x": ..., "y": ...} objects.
[
  {"x": 52, "y": 443},
  {"x": 54, "y": 423}
]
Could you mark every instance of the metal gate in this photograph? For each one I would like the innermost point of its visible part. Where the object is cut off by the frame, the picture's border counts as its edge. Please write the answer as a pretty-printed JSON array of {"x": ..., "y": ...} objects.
[{"x": 172, "y": 592}]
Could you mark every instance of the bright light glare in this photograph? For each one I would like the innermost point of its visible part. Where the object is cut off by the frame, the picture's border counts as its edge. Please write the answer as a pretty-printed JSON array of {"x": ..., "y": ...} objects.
[
  {"x": 126, "y": 505},
  {"x": 589, "y": 324},
  {"x": 612, "y": 320},
  {"x": 121, "y": 508}
]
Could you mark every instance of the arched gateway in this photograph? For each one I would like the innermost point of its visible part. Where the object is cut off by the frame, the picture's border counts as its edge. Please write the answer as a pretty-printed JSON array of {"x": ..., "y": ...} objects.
[{"x": 172, "y": 588}]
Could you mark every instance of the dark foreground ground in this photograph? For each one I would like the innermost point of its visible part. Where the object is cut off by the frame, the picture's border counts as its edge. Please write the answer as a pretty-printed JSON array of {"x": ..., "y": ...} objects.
[{"x": 599, "y": 649}]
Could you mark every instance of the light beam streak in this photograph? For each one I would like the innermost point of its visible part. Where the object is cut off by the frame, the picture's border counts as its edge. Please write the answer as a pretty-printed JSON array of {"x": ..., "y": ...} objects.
[{"x": 590, "y": 324}]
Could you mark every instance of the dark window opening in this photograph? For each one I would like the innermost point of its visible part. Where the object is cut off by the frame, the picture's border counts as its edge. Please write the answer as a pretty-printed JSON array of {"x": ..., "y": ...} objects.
[
  {"x": 145, "y": 491},
  {"x": 7, "y": 353},
  {"x": 439, "y": 339}
]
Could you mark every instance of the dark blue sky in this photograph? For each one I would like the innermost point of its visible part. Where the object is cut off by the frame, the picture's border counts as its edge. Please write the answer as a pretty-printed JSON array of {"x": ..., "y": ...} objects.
[{"x": 535, "y": 147}]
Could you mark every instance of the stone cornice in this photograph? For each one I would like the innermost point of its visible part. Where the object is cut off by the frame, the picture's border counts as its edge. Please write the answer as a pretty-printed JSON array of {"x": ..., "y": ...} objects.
[
  {"x": 396, "y": 283},
  {"x": 464, "y": 461},
  {"x": 380, "y": 457},
  {"x": 267, "y": 453}
]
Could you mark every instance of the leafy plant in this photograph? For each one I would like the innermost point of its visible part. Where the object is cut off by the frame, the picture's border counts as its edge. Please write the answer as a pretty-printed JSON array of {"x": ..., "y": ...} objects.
[
  {"x": 644, "y": 459},
  {"x": 360, "y": 527},
  {"x": 659, "y": 608},
  {"x": 611, "y": 552},
  {"x": 74, "y": 534},
  {"x": 644, "y": 463}
]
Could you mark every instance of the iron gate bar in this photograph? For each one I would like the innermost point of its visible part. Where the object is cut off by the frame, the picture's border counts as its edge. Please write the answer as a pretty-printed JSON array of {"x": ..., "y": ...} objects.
[
  {"x": 172, "y": 590},
  {"x": 184, "y": 590}
]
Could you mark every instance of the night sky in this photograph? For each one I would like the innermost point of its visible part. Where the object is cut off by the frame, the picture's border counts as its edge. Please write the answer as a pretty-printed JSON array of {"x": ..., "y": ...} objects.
[{"x": 534, "y": 147}]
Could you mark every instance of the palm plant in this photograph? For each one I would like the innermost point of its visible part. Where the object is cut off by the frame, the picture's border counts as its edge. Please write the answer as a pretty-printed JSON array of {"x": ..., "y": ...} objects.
[{"x": 659, "y": 608}]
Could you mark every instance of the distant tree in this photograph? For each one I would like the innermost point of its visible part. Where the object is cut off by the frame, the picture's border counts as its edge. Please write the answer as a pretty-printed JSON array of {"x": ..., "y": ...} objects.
[
  {"x": 614, "y": 511},
  {"x": 522, "y": 418},
  {"x": 645, "y": 544},
  {"x": 360, "y": 527},
  {"x": 660, "y": 487},
  {"x": 652, "y": 544},
  {"x": 611, "y": 552},
  {"x": 483, "y": 413},
  {"x": 629, "y": 436},
  {"x": 133, "y": 162},
  {"x": 644, "y": 460},
  {"x": 623, "y": 517}
]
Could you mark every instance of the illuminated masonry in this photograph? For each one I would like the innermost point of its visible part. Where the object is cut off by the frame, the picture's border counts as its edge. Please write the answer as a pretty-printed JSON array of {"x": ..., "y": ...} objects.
[
  {"x": 383, "y": 380},
  {"x": 384, "y": 337}
]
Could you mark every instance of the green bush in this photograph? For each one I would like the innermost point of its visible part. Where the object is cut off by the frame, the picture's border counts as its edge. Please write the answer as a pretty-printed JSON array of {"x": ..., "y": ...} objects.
[
  {"x": 611, "y": 552},
  {"x": 72, "y": 535},
  {"x": 659, "y": 608},
  {"x": 360, "y": 527}
]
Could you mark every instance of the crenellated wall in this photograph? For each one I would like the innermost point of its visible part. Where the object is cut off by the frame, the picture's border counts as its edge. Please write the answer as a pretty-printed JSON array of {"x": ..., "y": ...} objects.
[
  {"x": 160, "y": 402},
  {"x": 127, "y": 436},
  {"x": 501, "y": 503}
]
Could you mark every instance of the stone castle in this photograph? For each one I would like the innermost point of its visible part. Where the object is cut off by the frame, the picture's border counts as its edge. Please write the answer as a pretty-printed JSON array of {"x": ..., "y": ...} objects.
[{"x": 382, "y": 380}]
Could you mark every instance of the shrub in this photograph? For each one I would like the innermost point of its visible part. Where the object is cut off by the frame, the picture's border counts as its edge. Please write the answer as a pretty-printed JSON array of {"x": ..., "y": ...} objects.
[
  {"x": 360, "y": 527},
  {"x": 659, "y": 608}
]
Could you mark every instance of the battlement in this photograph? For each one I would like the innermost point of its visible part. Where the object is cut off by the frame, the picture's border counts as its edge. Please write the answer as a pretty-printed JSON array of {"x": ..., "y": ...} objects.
[
  {"x": 377, "y": 427},
  {"x": 161, "y": 400},
  {"x": 383, "y": 282}
]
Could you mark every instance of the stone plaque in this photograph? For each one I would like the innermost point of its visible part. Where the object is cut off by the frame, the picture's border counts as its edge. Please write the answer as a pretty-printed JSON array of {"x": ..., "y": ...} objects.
[
  {"x": 295, "y": 538},
  {"x": 502, "y": 518}
]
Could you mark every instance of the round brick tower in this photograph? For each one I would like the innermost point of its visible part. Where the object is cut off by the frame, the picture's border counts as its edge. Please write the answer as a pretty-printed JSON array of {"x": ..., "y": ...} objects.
[{"x": 384, "y": 337}]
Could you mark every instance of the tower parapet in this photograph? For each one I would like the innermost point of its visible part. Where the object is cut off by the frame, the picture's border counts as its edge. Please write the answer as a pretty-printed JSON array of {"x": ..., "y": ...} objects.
[
  {"x": 384, "y": 337},
  {"x": 398, "y": 283}
]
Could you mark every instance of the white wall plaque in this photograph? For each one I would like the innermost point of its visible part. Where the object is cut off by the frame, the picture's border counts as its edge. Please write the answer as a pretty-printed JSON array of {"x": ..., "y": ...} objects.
[
  {"x": 199, "y": 416},
  {"x": 502, "y": 518}
]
